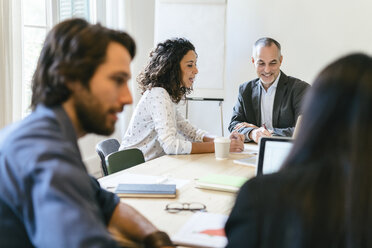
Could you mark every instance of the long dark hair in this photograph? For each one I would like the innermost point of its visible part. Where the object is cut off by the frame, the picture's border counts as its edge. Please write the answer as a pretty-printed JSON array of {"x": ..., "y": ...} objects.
[
  {"x": 163, "y": 69},
  {"x": 72, "y": 51},
  {"x": 335, "y": 139}
]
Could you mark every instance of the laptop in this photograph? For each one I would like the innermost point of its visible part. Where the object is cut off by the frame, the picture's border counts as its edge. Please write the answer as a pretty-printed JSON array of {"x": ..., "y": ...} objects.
[
  {"x": 272, "y": 153},
  {"x": 297, "y": 127}
]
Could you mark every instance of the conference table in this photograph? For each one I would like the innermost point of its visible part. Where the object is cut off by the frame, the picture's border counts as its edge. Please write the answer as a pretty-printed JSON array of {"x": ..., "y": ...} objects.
[{"x": 186, "y": 169}]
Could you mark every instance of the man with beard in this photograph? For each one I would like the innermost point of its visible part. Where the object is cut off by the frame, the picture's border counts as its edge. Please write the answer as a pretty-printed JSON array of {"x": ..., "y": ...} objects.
[
  {"x": 270, "y": 104},
  {"x": 47, "y": 197}
]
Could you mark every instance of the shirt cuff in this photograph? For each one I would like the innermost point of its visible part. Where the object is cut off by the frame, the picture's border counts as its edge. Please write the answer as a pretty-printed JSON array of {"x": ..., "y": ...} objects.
[
  {"x": 188, "y": 147},
  {"x": 247, "y": 136},
  {"x": 200, "y": 135}
]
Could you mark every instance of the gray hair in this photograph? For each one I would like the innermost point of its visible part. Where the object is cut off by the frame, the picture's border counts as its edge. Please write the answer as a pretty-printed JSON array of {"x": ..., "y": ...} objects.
[{"x": 265, "y": 42}]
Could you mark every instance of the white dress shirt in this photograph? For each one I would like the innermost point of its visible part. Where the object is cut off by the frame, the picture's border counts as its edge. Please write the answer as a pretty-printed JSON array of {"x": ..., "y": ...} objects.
[
  {"x": 267, "y": 104},
  {"x": 157, "y": 127}
]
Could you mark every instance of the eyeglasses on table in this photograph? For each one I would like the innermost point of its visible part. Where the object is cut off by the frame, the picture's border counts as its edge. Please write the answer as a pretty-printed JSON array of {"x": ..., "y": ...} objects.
[{"x": 176, "y": 207}]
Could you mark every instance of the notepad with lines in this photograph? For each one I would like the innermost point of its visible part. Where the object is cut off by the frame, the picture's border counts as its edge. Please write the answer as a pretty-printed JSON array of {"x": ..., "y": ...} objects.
[{"x": 146, "y": 190}]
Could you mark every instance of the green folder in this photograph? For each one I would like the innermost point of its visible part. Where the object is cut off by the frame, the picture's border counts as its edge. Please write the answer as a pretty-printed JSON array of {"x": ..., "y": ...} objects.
[{"x": 221, "y": 182}]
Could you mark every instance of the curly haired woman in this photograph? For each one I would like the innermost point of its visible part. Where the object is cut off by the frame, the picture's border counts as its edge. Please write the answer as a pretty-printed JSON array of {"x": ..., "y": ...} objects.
[{"x": 156, "y": 127}]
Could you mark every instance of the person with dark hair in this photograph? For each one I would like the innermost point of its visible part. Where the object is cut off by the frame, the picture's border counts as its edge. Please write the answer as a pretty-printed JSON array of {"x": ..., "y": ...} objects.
[
  {"x": 321, "y": 196},
  {"x": 157, "y": 127},
  {"x": 270, "y": 104},
  {"x": 47, "y": 197}
]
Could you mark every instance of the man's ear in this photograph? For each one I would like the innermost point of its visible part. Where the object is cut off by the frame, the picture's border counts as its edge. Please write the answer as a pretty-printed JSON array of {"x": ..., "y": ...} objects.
[
  {"x": 70, "y": 85},
  {"x": 252, "y": 60}
]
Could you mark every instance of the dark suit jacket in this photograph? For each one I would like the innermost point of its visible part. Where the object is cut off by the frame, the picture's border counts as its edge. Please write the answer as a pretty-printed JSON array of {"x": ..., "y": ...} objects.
[
  {"x": 287, "y": 105},
  {"x": 277, "y": 210}
]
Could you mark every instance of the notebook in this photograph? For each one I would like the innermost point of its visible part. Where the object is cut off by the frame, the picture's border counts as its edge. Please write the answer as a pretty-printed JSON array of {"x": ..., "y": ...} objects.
[
  {"x": 221, "y": 182},
  {"x": 146, "y": 190},
  {"x": 272, "y": 153}
]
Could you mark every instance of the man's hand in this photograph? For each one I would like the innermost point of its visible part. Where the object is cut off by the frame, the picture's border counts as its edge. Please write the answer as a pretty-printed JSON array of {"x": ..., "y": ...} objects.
[
  {"x": 244, "y": 124},
  {"x": 237, "y": 142},
  {"x": 158, "y": 240},
  {"x": 257, "y": 133},
  {"x": 132, "y": 225}
]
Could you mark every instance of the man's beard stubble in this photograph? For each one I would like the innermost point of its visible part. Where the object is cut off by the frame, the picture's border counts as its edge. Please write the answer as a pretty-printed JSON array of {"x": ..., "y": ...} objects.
[{"x": 90, "y": 114}]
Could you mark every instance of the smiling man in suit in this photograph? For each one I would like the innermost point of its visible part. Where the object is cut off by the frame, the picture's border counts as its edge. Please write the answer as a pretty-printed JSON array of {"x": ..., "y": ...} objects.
[{"x": 270, "y": 104}]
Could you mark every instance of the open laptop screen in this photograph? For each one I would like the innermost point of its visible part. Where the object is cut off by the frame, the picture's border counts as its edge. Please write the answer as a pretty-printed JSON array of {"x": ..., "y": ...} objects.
[{"x": 272, "y": 153}]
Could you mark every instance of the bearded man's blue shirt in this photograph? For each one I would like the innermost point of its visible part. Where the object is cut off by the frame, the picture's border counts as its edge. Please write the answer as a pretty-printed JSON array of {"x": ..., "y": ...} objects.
[{"x": 47, "y": 198}]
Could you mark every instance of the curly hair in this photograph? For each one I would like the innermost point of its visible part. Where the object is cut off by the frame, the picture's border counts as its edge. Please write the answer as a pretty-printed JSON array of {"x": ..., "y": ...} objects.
[
  {"x": 163, "y": 69},
  {"x": 72, "y": 51}
]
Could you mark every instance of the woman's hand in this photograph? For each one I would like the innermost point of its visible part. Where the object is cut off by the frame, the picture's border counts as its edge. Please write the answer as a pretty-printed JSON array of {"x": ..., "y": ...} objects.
[{"x": 237, "y": 142}]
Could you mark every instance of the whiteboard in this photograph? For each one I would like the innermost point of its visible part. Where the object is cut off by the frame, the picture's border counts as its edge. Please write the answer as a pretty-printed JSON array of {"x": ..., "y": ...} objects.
[{"x": 193, "y": 20}]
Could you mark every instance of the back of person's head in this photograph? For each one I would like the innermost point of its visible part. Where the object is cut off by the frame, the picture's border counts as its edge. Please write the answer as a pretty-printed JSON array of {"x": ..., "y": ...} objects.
[
  {"x": 72, "y": 51},
  {"x": 265, "y": 42},
  {"x": 337, "y": 111},
  {"x": 335, "y": 139},
  {"x": 163, "y": 69}
]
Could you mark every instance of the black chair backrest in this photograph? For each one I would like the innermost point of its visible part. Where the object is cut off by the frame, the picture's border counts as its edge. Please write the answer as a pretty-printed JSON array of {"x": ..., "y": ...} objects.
[{"x": 104, "y": 148}]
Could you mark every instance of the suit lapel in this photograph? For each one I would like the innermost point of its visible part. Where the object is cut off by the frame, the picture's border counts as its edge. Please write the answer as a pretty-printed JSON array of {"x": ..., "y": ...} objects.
[
  {"x": 280, "y": 93},
  {"x": 256, "y": 101}
]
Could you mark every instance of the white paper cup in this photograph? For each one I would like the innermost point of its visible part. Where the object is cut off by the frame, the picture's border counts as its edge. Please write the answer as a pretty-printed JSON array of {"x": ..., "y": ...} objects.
[{"x": 221, "y": 148}]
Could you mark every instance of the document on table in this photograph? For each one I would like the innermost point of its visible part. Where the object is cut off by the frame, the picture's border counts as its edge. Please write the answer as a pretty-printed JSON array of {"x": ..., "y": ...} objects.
[
  {"x": 249, "y": 161},
  {"x": 221, "y": 182},
  {"x": 204, "y": 230},
  {"x": 143, "y": 179},
  {"x": 249, "y": 149}
]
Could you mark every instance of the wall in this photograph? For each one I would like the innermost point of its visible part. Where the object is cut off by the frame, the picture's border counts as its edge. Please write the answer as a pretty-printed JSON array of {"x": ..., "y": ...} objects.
[
  {"x": 141, "y": 28},
  {"x": 205, "y": 28}
]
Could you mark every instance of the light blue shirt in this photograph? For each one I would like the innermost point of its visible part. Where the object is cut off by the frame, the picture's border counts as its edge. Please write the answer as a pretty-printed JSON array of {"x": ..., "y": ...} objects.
[{"x": 47, "y": 197}]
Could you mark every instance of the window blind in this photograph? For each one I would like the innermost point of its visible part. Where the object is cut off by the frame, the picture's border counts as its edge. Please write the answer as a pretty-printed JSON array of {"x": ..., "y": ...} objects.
[{"x": 73, "y": 8}]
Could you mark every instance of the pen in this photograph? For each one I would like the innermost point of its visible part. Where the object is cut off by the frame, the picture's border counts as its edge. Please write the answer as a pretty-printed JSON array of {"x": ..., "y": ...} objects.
[{"x": 270, "y": 131}]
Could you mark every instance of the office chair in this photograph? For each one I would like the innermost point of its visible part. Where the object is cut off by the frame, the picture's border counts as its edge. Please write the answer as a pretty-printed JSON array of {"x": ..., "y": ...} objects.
[
  {"x": 124, "y": 159},
  {"x": 104, "y": 148}
]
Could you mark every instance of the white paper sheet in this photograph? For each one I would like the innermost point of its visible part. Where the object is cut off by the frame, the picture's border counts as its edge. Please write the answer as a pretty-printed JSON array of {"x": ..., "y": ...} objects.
[{"x": 203, "y": 230}]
